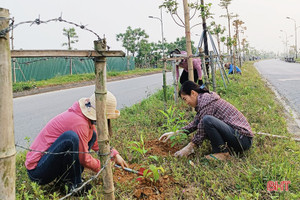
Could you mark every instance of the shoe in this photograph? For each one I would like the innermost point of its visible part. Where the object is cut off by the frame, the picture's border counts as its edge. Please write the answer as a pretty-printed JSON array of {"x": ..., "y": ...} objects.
[
  {"x": 72, "y": 188},
  {"x": 218, "y": 156}
]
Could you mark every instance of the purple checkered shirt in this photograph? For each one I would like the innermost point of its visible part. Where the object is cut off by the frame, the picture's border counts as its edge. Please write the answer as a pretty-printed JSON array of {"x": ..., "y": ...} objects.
[{"x": 212, "y": 104}]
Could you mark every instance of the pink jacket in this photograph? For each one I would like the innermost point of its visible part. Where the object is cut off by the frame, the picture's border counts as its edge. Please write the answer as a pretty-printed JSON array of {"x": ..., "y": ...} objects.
[
  {"x": 184, "y": 65},
  {"x": 70, "y": 120}
]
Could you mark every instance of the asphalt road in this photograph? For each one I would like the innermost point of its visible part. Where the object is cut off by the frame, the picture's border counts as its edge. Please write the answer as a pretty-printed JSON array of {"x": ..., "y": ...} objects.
[
  {"x": 285, "y": 78},
  {"x": 31, "y": 113}
]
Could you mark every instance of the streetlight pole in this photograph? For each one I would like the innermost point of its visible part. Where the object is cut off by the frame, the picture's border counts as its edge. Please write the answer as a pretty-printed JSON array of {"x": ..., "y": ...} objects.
[
  {"x": 163, "y": 52},
  {"x": 295, "y": 34}
]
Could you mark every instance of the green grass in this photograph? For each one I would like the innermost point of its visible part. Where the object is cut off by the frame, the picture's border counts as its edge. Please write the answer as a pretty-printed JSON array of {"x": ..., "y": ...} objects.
[
  {"x": 60, "y": 80},
  {"x": 245, "y": 177}
]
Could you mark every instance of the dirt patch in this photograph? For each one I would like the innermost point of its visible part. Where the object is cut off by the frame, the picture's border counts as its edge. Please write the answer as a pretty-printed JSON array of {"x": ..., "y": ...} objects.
[
  {"x": 156, "y": 147},
  {"x": 144, "y": 188},
  {"x": 122, "y": 176},
  {"x": 154, "y": 190}
]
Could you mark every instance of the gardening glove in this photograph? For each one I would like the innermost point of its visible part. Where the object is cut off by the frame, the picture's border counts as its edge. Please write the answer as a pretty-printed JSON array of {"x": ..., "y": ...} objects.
[
  {"x": 187, "y": 150},
  {"x": 120, "y": 161},
  {"x": 166, "y": 136}
]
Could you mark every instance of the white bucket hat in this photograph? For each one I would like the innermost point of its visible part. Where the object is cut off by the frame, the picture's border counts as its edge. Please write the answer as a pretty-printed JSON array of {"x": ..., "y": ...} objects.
[{"x": 88, "y": 107}]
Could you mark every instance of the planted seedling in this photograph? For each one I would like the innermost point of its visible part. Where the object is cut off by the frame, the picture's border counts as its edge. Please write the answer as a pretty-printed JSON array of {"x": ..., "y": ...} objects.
[
  {"x": 178, "y": 138},
  {"x": 138, "y": 147},
  {"x": 174, "y": 123},
  {"x": 153, "y": 173}
]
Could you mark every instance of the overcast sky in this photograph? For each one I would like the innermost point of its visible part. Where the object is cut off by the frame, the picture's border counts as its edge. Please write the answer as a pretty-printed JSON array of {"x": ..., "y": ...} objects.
[{"x": 263, "y": 18}]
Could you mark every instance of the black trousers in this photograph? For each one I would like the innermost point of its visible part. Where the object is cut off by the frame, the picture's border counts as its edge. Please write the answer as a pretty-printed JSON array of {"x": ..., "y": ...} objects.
[
  {"x": 222, "y": 135},
  {"x": 185, "y": 77}
]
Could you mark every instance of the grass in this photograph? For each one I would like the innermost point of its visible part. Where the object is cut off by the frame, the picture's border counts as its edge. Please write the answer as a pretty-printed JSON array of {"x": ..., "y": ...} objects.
[
  {"x": 75, "y": 78},
  {"x": 245, "y": 177}
]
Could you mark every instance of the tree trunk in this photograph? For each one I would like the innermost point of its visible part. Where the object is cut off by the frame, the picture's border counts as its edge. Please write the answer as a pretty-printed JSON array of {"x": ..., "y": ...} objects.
[
  {"x": 69, "y": 42},
  {"x": 188, "y": 40},
  {"x": 7, "y": 142}
]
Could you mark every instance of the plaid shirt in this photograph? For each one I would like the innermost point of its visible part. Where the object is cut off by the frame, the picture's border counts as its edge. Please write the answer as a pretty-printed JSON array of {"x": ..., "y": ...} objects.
[{"x": 212, "y": 104}]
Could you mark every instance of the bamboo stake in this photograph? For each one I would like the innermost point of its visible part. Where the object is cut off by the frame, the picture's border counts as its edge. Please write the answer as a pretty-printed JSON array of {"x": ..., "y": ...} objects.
[
  {"x": 102, "y": 127},
  {"x": 7, "y": 141},
  {"x": 175, "y": 84},
  {"x": 278, "y": 136}
]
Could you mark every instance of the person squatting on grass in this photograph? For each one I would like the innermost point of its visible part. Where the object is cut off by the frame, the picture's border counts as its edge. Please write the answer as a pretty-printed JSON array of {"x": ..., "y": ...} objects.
[
  {"x": 184, "y": 64},
  {"x": 73, "y": 130},
  {"x": 216, "y": 119},
  {"x": 230, "y": 69}
]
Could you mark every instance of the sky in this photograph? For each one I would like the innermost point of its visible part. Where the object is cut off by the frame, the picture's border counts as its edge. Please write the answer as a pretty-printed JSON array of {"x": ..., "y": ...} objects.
[{"x": 263, "y": 18}]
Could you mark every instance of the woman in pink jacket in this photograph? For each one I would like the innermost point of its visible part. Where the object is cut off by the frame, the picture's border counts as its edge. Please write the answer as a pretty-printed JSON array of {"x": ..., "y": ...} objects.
[
  {"x": 184, "y": 64},
  {"x": 73, "y": 131}
]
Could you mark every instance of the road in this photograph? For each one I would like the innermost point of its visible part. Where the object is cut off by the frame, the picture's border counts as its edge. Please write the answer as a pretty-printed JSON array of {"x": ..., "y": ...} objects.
[
  {"x": 285, "y": 78},
  {"x": 31, "y": 113}
]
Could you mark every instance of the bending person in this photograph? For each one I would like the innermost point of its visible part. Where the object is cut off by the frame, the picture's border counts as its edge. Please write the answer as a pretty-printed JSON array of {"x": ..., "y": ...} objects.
[
  {"x": 230, "y": 69},
  {"x": 74, "y": 131},
  {"x": 184, "y": 64},
  {"x": 216, "y": 119}
]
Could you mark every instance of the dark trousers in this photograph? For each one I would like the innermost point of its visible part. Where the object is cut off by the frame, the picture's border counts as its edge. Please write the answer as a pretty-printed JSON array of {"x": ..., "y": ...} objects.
[
  {"x": 222, "y": 135},
  {"x": 185, "y": 77},
  {"x": 66, "y": 167}
]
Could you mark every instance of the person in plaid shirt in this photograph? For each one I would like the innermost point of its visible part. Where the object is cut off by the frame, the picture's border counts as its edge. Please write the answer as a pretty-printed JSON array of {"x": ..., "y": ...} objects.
[{"x": 217, "y": 120}]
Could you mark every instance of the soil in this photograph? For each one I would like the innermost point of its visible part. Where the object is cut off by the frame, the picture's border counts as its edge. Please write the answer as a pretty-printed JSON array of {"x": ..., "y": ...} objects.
[
  {"x": 144, "y": 188},
  {"x": 158, "y": 148}
]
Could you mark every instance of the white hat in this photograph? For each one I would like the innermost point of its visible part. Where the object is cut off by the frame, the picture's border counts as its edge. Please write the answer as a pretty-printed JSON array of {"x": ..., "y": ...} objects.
[{"x": 88, "y": 107}]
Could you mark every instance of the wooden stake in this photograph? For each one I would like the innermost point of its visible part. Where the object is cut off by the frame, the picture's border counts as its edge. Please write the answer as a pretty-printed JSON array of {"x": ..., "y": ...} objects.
[
  {"x": 102, "y": 127},
  {"x": 188, "y": 40},
  {"x": 278, "y": 136},
  {"x": 7, "y": 141}
]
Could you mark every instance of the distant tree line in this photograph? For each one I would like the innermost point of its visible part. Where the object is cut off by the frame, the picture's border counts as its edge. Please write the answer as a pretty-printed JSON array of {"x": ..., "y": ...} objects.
[{"x": 146, "y": 54}]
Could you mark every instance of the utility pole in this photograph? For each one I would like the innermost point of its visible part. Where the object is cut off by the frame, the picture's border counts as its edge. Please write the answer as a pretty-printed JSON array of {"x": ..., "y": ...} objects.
[
  {"x": 188, "y": 40},
  {"x": 286, "y": 43},
  {"x": 295, "y": 35}
]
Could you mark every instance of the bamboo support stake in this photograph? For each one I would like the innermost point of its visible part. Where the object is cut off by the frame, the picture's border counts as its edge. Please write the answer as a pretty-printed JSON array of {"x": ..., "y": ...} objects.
[
  {"x": 102, "y": 127},
  {"x": 188, "y": 40},
  {"x": 7, "y": 141},
  {"x": 278, "y": 136},
  {"x": 175, "y": 84},
  {"x": 206, "y": 81}
]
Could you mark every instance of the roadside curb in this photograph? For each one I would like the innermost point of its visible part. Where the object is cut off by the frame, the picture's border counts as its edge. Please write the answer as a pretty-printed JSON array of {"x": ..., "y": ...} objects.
[
  {"x": 74, "y": 85},
  {"x": 293, "y": 119}
]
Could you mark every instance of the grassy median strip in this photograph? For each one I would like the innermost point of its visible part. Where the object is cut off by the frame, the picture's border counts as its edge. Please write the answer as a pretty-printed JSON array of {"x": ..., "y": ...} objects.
[
  {"x": 76, "y": 78},
  {"x": 243, "y": 177}
]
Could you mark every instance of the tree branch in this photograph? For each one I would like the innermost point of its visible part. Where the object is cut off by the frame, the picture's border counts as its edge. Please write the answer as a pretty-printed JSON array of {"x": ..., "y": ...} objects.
[
  {"x": 195, "y": 25},
  {"x": 176, "y": 21}
]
